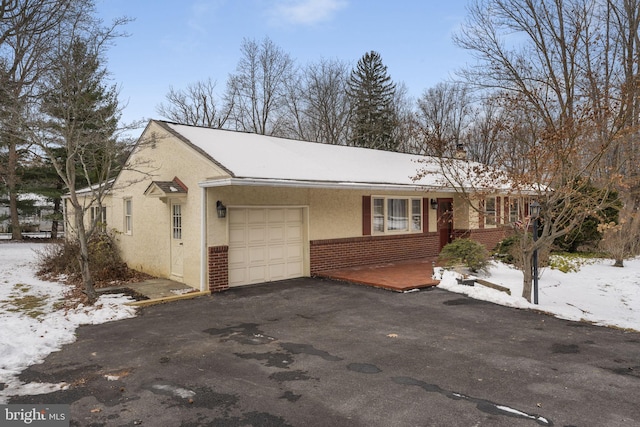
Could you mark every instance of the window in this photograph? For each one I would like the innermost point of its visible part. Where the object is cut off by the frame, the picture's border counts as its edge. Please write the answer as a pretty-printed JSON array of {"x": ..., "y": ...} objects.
[
  {"x": 490, "y": 211},
  {"x": 99, "y": 217},
  {"x": 378, "y": 215},
  {"x": 176, "y": 215},
  {"x": 416, "y": 215},
  {"x": 393, "y": 215},
  {"x": 128, "y": 216},
  {"x": 514, "y": 210}
]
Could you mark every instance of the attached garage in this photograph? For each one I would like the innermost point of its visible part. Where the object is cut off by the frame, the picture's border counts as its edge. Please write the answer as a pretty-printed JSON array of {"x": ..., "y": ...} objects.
[{"x": 266, "y": 244}]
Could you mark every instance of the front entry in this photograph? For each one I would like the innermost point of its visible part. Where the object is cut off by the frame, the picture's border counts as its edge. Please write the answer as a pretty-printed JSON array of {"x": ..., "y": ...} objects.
[
  {"x": 445, "y": 221},
  {"x": 177, "y": 247}
]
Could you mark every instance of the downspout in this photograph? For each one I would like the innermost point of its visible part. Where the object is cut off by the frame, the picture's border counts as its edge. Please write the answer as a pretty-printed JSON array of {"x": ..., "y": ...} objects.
[{"x": 204, "y": 262}]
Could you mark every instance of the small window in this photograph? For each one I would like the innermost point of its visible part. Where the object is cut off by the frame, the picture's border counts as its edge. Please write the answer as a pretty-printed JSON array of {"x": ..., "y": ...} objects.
[
  {"x": 393, "y": 215},
  {"x": 177, "y": 221},
  {"x": 490, "y": 211},
  {"x": 514, "y": 210},
  {"x": 128, "y": 216},
  {"x": 99, "y": 217}
]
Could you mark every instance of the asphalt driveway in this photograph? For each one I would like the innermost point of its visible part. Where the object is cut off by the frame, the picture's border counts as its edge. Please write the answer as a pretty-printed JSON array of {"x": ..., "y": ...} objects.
[{"x": 310, "y": 352}]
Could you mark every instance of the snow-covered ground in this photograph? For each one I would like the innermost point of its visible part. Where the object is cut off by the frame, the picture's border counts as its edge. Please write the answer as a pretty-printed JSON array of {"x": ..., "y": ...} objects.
[
  {"x": 598, "y": 292},
  {"x": 33, "y": 325}
]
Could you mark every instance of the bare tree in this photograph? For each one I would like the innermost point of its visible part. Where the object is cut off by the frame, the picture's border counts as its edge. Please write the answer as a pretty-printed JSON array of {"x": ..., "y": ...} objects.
[
  {"x": 256, "y": 90},
  {"x": 486, "y": 138},
  {"x": 317, "y": 103},
  {"x": 197, "y": 105},
  {"x": 27, "y": 35},
  {"x": 539, "y": 57},
  {"x": 443, "y": 111}
]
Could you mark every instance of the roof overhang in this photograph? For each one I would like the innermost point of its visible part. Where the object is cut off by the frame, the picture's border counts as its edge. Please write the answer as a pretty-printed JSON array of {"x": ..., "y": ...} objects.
[
  {"x": 166, "y": 190},
  {"x": 292, "y": 183}
]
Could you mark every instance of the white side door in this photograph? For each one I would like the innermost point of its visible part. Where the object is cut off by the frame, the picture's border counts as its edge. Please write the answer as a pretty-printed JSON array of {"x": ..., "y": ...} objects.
[{"x": 177, "y": 246}]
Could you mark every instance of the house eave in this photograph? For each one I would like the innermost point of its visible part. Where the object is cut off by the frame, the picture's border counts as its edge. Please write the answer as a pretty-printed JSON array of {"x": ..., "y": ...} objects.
[{"x": 292, "y": 183}]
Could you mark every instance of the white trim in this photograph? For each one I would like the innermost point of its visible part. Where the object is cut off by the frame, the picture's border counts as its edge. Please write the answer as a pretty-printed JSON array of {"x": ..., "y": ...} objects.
[
  {"x": 266, "y": 182},
  {"x": 204, "y": 262}
]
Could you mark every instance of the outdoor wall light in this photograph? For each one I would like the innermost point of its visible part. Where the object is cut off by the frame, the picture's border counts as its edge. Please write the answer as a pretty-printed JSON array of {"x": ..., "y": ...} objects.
[
  {"x": 221, "y": 209},
  {"x": 434, "y": 204}
]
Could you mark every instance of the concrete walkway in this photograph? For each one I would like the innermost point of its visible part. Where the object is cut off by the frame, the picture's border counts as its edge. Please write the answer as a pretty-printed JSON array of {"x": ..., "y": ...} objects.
[{"x": 161, "y": 290}]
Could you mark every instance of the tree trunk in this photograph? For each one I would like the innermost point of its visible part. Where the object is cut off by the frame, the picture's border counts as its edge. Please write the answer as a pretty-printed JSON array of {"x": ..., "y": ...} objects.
[
  {"x": 83, "y": 257},
  {"x": 54, "y": 221},
  {"x": 527, "y": 270},
  {"x": 619, "y": 263},
  {"x": 12, "y": 184}
]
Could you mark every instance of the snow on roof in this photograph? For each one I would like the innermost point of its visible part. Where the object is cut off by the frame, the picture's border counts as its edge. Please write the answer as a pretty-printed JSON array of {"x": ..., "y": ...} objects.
[{"x": 262, "y": 157}]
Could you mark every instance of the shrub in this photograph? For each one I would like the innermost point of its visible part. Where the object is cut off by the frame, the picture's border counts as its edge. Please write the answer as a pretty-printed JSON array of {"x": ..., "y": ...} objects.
[
  {"x": 104, "y": 259},
  {"x": 469, "y": 253},
  {"x": 505, "y": 249}
]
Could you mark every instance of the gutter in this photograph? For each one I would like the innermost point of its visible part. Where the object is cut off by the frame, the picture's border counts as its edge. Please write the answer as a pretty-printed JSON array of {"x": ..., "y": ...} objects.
[{"x": 292, "y": 183}]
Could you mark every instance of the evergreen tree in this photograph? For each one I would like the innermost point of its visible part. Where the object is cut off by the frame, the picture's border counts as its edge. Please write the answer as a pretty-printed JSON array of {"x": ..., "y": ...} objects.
[
  {"x": 83, "y": 115},
  {"x": 372, "y": 93}
]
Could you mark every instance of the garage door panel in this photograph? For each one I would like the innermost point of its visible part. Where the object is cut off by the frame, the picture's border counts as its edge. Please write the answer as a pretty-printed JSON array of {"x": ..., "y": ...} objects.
[
  {"x": 256, "y": 274},
  {"x": 257, "y": 255},
  {"x": 237, "y": 276},
  {"x": 277, "y": 254},
  {"x": 275, "y": 215},
  {"x": 257, "y": 235},
  {"x": 294, "y": 252},
  {"x": 239, "y": 217},
  {"x": 293, "y": 215},
  {"x": 265, "y": 244},
  {"x": 277, "y": 272},
  {"x": 256, "y": 216},
  {"x": 237, "y": 236},
  {"x": 294, "y": 269},
  {"x": 237, "y": 257},
  {"x": 294, "y": 232},
  {"x": 276, "y": 233}
]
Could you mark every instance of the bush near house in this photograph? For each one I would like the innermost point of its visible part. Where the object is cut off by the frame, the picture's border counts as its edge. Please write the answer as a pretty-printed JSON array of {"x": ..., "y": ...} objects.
[
  {"x": 104, "y": 259},
  {"x": 466, "y": 252}
]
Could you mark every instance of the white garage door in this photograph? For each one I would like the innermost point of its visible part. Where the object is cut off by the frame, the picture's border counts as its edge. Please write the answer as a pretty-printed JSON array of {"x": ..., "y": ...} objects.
[{"x": 265, "y": 244}]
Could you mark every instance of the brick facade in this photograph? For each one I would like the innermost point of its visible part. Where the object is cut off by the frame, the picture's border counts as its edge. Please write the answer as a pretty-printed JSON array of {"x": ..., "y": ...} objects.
[
  {"x": 218, "y": 268},
  {"x": 489, "y": 237},
  {"x": 341, "y": 253}
]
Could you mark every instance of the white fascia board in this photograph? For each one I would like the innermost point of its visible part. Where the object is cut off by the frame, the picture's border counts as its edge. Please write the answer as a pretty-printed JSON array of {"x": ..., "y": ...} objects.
[{"x": 261, "y": 182}]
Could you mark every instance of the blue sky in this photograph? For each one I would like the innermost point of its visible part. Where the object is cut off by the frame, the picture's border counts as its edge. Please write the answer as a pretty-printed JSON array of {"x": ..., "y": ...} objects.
[{"x": 174, "y": 43}]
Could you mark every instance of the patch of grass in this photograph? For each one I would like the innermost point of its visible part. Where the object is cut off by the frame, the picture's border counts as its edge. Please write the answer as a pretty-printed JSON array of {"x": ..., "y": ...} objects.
[
  {"x": 569, "y": 262},
  {"x": 30, "y": 305}
]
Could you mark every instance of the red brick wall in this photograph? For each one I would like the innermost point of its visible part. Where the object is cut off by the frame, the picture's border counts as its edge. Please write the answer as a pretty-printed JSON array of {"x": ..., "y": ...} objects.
[
  {"x": 489, "y": 237},
  {"x": 340, "y": 253},
  {"x": 218, "y": 268}
]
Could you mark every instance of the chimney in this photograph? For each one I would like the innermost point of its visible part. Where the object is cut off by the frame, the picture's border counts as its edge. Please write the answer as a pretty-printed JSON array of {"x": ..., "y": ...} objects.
[{"x": 461, "y": 153}]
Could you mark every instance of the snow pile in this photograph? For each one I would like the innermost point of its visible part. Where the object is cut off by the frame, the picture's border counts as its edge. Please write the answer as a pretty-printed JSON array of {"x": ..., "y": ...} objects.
[{"x": 34, "y": 323}]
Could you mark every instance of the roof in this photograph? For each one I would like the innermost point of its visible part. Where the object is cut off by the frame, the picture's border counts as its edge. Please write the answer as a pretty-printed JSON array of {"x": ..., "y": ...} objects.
[
  {"x": 252, "y": 159},
  {"x": 167, "y": 187}
]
